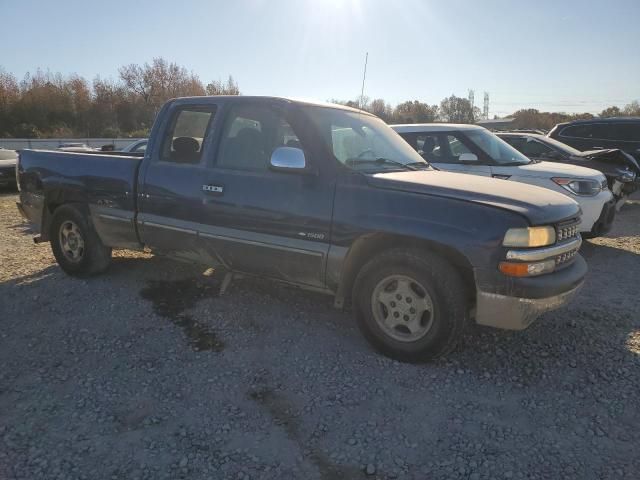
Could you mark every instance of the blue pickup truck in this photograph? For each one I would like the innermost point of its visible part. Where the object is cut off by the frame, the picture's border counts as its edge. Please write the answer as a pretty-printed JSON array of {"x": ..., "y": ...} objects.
[{"x": 322, "y": 197}]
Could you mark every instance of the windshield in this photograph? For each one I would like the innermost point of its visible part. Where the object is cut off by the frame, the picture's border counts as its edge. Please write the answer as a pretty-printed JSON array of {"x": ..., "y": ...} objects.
[
  {"x": 561, "y": 146},
  {"x": 497, "y": 149},
  {"x": 363, "y": 142}
]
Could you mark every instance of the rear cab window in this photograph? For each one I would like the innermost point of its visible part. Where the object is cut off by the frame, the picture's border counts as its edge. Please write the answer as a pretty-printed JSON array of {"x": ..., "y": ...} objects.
[{"x": 184, "y": 139}]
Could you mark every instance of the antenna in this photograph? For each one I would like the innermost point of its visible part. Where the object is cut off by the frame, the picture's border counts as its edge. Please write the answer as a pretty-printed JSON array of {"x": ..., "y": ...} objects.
[{"x": 364, "y": 76}]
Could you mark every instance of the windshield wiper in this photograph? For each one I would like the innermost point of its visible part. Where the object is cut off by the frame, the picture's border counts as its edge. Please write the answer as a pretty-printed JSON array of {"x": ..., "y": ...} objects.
[
  {"x": 381, "y": 161},
  {"x": 515, "y": 164}
]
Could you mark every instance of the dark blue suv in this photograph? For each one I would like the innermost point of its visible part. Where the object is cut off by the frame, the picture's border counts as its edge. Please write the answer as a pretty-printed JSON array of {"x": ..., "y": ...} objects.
[{"x": 601, "y": 133}]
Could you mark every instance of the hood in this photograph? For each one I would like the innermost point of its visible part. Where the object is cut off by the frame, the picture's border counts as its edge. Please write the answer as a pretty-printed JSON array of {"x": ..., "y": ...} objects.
[
  {"x": 614, "y": 156},
  {"x": 539, "y": 205},
  {"x": 555, "y": 169}
]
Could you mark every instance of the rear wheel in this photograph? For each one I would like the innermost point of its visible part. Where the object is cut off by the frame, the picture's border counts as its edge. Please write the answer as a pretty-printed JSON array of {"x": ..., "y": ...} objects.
[
  {"x": 75, "y": 243},
  {"x": 411, "y": 305}
]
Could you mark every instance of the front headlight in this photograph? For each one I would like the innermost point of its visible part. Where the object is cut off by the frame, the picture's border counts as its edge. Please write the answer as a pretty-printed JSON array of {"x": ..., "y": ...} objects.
[
  {"x": 627, "y": 176},
  {"x": 529, "y": 237},
  {"x": 579, "y": 186}
]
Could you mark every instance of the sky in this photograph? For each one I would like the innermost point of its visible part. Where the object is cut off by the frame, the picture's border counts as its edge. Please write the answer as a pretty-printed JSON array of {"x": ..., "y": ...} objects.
[{"x": 572, "y": 55}]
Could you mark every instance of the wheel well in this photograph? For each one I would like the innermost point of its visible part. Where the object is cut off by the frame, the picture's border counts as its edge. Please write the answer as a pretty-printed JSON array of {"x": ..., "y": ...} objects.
[
  {"x": 366, "y": 247},
  {"x": 47, "y": 216}
]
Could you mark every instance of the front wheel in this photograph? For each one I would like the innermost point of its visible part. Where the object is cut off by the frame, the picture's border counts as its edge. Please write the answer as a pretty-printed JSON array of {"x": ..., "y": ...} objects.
[
  {"x": 411, "y": 305},
  {"x": 75, "y": 243}
]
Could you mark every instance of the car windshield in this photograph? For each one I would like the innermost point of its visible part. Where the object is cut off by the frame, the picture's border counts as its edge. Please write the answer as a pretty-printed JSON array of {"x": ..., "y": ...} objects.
[
  {"x": 497, "y": 149},
  {"x": 364, "y": 142}
]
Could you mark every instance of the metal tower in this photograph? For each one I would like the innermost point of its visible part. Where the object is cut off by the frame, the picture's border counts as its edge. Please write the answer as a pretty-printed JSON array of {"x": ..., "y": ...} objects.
[{"x": 485, "y": 110}]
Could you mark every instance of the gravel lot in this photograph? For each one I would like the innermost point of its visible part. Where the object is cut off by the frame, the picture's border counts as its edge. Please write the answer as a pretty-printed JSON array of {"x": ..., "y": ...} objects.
[{"x": 145, "y": 372}]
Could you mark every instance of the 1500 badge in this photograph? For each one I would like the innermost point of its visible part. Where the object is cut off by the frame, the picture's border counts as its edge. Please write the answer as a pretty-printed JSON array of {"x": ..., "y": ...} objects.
[{"x": 312, "y": 235}]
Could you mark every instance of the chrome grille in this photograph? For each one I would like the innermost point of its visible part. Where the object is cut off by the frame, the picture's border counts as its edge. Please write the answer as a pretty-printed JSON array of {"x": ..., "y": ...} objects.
[
  {"x": 566, "y": 232},
  {"x": 565, "y": 257}
]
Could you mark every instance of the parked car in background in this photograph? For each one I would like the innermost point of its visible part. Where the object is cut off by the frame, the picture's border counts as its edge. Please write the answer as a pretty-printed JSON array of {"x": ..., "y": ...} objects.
[
  {"x": 620, "y": 168},
  {"x": 76, "y": 147},
  {"x": 322, "y": 197},
  {"x": 8, "y": 159},
  {"x": 601, "y": 133},
  {"x": 475, "y": 150},
  {"x": 139, "y": 146}
]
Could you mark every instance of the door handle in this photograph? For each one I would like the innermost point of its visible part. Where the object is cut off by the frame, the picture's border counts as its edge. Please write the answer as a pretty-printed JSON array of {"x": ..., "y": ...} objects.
[{"x": 215, "y": 189}]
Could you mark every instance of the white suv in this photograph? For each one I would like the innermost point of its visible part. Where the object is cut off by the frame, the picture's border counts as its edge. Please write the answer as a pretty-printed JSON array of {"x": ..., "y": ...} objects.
[{"x": 473, "y": 149}]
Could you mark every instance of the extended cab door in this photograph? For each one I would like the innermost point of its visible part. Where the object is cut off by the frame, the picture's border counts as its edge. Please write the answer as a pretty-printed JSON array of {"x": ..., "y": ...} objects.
[
  {"x": 170, "y": 188},
  {"x": 443, "y": 150},
  {"x": 258, "y": 220}
]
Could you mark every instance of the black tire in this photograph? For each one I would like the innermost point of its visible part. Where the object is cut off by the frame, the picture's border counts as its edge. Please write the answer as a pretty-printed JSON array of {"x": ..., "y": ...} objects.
[
  {"x": 94, "y": 257},
  {"x": 448, "y": 298}
]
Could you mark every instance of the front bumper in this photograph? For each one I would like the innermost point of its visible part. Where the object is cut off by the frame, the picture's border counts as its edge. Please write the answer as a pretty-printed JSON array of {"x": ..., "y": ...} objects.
[
  {"x": 592, "y": 208},
  {"x": 528, "y": 298},
  {"x": 605, "y": 220}
]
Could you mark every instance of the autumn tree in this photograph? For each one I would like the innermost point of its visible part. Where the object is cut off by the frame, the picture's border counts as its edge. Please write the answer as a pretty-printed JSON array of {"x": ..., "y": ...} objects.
[
  {"x": 632, "y": 109},
  {"x": 9, "y": 96},
  {"x": 218, "y": 87},
  {"x": 456, "y": 110},
  {"x": 610, "y": 112},
  {"x": 414, "y": 112}
]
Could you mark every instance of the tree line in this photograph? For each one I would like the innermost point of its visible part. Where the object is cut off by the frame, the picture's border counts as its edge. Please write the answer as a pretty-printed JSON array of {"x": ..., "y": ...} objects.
[
  {"x": 459, "y": 110},
  {"x": 49, "y": 104},
  {"x": 52, "y": 105}
]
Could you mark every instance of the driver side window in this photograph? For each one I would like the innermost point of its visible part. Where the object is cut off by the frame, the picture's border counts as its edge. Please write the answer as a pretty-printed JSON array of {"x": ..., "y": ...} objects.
[
  {"x": 533, "y": 148},
  {"x": 446, "y": 148},
  {"x": 251, "y": 133}
]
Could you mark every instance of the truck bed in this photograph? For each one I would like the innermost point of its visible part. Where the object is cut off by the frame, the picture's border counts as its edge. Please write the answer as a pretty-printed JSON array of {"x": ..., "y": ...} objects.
[{"x": 106, "y": 183}]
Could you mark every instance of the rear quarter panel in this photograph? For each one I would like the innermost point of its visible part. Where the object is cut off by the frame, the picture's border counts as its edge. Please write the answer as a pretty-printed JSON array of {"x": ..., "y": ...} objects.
[{"x": 104, "y": 183}]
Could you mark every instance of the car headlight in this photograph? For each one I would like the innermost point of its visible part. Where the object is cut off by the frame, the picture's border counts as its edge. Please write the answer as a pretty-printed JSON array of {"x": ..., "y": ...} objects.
[
  {"x": 627, "y": 176},
  {"x": 579, "y": 186},
  {"x": 529, "y": 237}
]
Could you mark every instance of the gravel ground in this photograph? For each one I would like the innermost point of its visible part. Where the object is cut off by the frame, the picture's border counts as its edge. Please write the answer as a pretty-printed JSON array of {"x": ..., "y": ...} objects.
[{"x": 145, "y": 372}]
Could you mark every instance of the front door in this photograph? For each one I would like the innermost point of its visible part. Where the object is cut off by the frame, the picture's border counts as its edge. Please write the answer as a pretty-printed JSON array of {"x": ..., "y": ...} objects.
[
  {"x": 260, "y": 221},
  {"x": 170, "y": 195}
]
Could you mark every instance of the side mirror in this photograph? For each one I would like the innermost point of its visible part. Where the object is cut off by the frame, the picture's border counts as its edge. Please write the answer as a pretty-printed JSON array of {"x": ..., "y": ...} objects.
[
  {"x": 288, "y": 159},
  {"x": 468, "y": 158}
]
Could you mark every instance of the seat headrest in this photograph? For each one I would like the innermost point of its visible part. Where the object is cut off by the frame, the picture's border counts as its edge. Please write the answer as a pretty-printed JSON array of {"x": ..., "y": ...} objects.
[
  {"x": 429, "y": 144},
  {"x": 186, "y": 145},
  {"x": 249, "y": 135}
]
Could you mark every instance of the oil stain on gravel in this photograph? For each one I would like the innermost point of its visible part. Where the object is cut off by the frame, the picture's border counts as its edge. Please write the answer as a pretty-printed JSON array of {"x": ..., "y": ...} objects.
[{"x": 170, "y": 298}]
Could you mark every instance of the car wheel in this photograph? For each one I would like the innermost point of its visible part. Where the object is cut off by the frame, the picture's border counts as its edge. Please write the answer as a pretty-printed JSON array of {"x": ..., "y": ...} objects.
[
  {"x": 75, "y": 243},
  {"x": 411, "y": 305}
]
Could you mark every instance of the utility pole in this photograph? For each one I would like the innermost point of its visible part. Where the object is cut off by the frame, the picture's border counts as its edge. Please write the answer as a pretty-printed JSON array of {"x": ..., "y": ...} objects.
[
  {"x": 485, "y": 110},
  {"x": 364, "y": 77}
]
